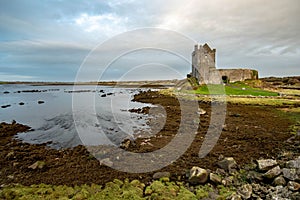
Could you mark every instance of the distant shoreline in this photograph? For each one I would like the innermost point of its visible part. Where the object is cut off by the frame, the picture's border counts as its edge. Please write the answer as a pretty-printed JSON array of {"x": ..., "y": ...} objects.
[
  {"x": 154, "y": 84},
  {"x": 148, "y": 83}
]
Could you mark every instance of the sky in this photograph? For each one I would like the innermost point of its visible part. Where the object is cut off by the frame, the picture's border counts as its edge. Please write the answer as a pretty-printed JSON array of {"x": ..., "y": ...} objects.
[{"x": 61, "y": 40}]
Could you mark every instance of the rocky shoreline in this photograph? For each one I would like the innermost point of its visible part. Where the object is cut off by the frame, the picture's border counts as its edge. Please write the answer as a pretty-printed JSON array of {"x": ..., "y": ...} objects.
[{"x": 256, "y": 157}]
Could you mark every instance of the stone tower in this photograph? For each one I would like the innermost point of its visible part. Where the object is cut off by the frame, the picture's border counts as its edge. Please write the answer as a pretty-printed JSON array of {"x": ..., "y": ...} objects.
[
  {"x": 204, "y": 68},
  {"x": 203, "y": 63}
]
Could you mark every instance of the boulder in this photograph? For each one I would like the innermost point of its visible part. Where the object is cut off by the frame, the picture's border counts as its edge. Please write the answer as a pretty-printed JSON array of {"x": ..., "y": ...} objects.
[
  {"x": 290, "y": 174},
  {"x": 272, "y": 173},
  {"x": 159, "y": 175},
  {"x": 245, "y": 191},
  {"x": 294, "y": 186},
  {"x": 227, "y": 164},
  {"x": 279, "y": 181},
  {"x": 266, "y": 164},
  {"x": 198, "y": 175}
]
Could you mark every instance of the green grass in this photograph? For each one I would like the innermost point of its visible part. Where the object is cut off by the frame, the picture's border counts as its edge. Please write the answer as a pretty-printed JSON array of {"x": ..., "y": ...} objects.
[
  {"x": 232, "y": 89},
  {"x": 276, "y": 102},
  {"x": 292, "y": 114}
]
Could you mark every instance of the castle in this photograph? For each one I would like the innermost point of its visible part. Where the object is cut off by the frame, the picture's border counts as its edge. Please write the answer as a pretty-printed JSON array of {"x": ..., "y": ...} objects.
[{"x": 204, "y": 68}]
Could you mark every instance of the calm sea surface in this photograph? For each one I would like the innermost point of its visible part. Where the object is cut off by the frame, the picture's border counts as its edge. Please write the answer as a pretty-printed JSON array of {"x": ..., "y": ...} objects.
[{"x": 100, "y": 115}]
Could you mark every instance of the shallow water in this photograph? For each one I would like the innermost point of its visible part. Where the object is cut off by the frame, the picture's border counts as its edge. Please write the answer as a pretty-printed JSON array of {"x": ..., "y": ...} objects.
[{"x": 57, "y": 119}]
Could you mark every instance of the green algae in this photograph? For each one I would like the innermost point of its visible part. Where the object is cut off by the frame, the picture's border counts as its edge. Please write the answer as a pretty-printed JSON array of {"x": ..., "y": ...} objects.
[{"x": 162, "y": 189}]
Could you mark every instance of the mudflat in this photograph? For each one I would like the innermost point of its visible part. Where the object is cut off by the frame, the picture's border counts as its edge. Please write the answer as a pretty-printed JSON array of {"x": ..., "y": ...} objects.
[{"x": 250, "y": 132}]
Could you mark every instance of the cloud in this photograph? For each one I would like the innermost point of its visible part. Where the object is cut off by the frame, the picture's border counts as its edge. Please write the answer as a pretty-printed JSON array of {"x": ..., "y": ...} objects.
[
  {"x": 13, "y": 77},
  {"x": 58, "y": 34},
  {"x": 109, "y": 24}
]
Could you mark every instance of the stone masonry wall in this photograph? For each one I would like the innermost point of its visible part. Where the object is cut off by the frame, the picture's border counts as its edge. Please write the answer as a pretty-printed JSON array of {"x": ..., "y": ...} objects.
[
  {"x": 204, "y": 68},
  {"x": 234, "y": 75}
]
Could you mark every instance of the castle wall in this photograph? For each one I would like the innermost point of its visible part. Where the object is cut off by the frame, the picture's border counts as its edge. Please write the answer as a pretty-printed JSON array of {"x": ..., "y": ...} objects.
[
  {"x": 215, "y": 77},
  {"x": 204, "y": 68},
  {"x": 234, "y": 75}
]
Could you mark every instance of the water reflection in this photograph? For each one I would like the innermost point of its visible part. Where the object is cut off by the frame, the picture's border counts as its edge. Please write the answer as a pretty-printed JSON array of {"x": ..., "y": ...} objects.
[{"x": 107, "y": 121}]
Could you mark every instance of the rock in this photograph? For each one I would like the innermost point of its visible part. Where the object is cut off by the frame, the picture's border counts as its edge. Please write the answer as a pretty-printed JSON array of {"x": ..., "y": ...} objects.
[
  {"x": 40, "y": 102},
  {"x": 125, "y": 144},
  {"x": 236, "y": 197},
  {"x": 272, "y": 173},
  {"x": 201, "y": 111},
  {"x": 236, "y": 115},
  {"x": 5, "y": 106},
  {"x": 159, "y": 175},
  {"x": 256, "y": 187},
  {"x": 224, "y": 127},
  {"x": 215, "y": 178},
  {"x": 259, "y": 190},
  {"x": 227, "y": 164},
  {"x": 221, "y": 172},
  {"x": 10, "y": 176},
  {"x": 10, "y": 155},
  {"x": 266, "y": 164},
  {"x": 279, "y": 181},
  {"x": 245, "y": 191},
  {"x": 290, "y": 174},
  {"x": 254, "y": 176},
  {"x": 228, "y": 181},
  {"x": 15, "y": 164},
  {"x": 278, "y": 192},
  {"x": 293, "y": 163},
  {"x": 198, "y": 175},
  {"x": 294, "y": 186},
  {"x": 250, "y": 166},
  {"x": 107, "y": 162},
  {"x": 37, "y": 165},
  {"x": 295, "y": 196}
]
